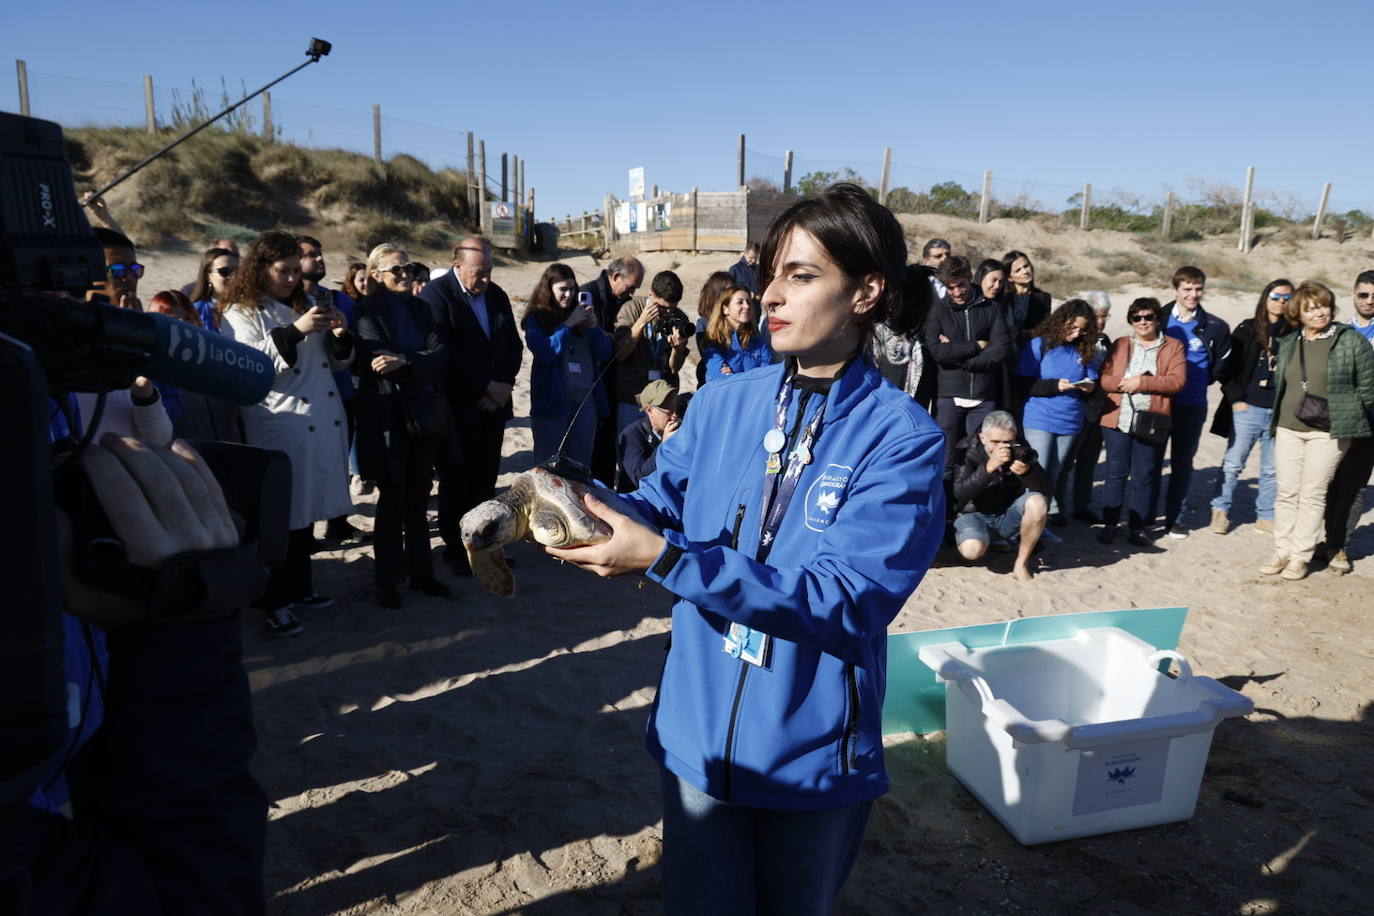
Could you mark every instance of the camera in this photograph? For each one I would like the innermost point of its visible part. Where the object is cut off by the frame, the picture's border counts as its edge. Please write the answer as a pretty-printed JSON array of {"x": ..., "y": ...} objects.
[{"x": 1021, "y": 451}]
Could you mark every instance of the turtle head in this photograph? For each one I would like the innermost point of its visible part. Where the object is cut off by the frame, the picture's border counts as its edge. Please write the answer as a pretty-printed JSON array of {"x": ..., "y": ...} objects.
[{"x": 491, "y": 524}]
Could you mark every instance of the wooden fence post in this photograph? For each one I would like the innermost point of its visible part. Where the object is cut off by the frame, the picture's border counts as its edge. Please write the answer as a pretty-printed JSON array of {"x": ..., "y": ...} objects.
[
  {"x": 607, "y": 223},
  {"x": 377, "y": 134},
  {"x": 986, "y": 200},
  {"x": 1245, "y": 209},
  {"x": 505, "y": 174},
  {"x": 148, "y": 102},
  {"x": 267, "y": 132},
  {"x": 787, "y": 172},
  {"x": 472, "y": 183},
  {"x": 887, "y": 170},
  {"x": 741, "y": 162},
  {"x": 694, "y": 220},
  {"x": 1321, "y": 212},
  {"x": 1167, "y": 228},
  {"x": 23, "y": 69},
  {"x": 1085, "y": 218},
  {"x": 481, "y": 180}
]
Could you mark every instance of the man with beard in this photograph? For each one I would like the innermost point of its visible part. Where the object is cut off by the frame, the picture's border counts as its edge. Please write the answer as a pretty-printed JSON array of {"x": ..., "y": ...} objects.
[
  {"x": 312, "y": 273},
  {"x": 613, "y": 288}
]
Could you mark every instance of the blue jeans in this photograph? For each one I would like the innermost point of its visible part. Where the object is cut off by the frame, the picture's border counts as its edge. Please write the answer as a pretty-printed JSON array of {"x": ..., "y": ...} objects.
[
  {"x": 548, "y": 432},
  {"x": 1248, "y": 427},
  {"x": 1188, "y": 420},
  {"x": 1139, "y": 462},
  {"x": 1054, "y": 450},
  {"x": 726, "y": 859}
]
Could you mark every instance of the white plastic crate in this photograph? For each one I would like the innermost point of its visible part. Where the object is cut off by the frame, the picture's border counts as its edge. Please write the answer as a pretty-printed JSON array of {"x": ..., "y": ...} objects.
[{"x": 1075, "y": 737}]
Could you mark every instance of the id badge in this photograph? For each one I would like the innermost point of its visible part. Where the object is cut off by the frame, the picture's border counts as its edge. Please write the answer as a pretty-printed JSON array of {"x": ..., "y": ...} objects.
[
  {"x": 575, "y": 368},
  {"x": 655, "y": 375},
  {"x": 750, "y": 645}
]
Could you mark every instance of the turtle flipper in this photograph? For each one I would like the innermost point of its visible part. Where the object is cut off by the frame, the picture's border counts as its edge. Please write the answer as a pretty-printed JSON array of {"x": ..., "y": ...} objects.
[{"x": 489, "y": 566}]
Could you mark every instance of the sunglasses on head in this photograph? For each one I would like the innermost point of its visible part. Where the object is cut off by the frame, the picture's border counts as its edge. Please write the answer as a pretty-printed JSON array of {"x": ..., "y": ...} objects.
[
  {"x": 225, "y": 272},
  {"x": 120, "y": 271},
  {"x": 1280, "y": 297}
]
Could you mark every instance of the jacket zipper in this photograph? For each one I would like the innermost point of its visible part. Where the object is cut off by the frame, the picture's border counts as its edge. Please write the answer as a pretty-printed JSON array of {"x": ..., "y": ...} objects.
[
  {"x": 968, "y": 335},
  {"x": 743, "y": 674},
  {"x": 852, "y": 725}
]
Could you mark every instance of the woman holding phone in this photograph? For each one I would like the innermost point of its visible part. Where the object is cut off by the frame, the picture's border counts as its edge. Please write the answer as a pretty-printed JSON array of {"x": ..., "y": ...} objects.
[
  {"x": 792, "y": 515},
  {"x": 569, "y": 350},
  {"x": 302, "y": 415}
]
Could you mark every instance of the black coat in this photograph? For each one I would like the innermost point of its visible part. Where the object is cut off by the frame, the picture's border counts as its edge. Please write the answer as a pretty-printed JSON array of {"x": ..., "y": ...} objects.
[
  {"x": 965, "y": 371},
  {"x": 604, "y": 304},
  {"x": 1236, "y": 372},
  {"x": 474, "y": 359}
]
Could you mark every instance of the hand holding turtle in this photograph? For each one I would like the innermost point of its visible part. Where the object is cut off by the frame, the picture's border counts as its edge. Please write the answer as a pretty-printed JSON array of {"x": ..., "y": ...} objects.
[{"x": 632, "y": 548}]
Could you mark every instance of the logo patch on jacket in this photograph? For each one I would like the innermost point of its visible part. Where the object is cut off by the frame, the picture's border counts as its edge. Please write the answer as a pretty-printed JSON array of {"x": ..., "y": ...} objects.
[{"x": 826, "y": 494}]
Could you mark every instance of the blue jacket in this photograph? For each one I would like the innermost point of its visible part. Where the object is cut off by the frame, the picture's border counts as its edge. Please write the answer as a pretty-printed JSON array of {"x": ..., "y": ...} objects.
[
  {"x": 866, "y": 519},
  {"x": 738, "y": 358},
  {"x": 745, "y": 276},
  {"x": 548, "y": 388}
]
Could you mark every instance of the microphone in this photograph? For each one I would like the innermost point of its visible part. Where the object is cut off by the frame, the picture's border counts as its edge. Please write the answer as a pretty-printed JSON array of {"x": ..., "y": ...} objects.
[{"x": 205, "y": 362}]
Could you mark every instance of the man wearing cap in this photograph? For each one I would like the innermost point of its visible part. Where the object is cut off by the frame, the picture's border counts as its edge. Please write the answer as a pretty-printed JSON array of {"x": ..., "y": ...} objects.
[{"x": 638, "y": 445}]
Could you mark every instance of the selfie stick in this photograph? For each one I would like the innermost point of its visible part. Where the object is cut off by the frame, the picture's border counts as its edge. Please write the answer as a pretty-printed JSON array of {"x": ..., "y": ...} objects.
[{"x": 318, "y": 48}]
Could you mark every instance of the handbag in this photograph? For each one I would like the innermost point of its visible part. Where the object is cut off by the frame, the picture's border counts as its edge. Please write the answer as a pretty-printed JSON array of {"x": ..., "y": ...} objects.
[
  {"x": 1151, "y": 426},
  {"x": 425, "y": 412},
  {"x": 1312, "y": 410}
]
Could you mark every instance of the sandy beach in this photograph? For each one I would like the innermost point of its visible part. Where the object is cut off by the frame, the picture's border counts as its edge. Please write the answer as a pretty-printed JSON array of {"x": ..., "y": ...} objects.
[{"x": 485, "y": 755}]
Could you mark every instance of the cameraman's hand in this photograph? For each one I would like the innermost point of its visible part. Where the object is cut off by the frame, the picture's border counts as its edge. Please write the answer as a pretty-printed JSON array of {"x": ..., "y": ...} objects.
[
  {"x": 1020, "y": 468},
  {"x": 160, "y": 502},
  {"x": 998, "y": 456},
  {"x": 316, "y": 319}
]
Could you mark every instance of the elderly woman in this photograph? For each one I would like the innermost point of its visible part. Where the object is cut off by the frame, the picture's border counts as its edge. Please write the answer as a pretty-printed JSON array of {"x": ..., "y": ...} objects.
[
  {"x": 1323, "y": 394},
  {"x": 301, "y": 415},
  {"x": 1142, "y": 372},
  {"x": 402, "y": 415}
]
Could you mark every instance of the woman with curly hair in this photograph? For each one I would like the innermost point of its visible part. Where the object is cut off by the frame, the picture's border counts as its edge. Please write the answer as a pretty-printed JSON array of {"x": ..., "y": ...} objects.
[
  {"x": 302, "y": 414},
  {"x": 1058, "y": 370},
  {"x": 734, "y": 342},
  {"x": 569, "y": 350}
]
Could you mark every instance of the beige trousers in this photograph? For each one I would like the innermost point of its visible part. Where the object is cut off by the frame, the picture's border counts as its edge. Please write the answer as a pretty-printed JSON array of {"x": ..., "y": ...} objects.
[{"x": 1304, "y": 462}]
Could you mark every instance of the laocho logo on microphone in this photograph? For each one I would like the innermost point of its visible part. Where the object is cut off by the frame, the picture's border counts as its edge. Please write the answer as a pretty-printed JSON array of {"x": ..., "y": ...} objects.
[
  {"x": 188, "y": 345},
  {"x": 826, "y": 494}
]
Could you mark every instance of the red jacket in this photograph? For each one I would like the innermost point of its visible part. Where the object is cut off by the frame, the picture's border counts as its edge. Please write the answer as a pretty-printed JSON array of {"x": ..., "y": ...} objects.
[{"x": 1171, "y": 368}]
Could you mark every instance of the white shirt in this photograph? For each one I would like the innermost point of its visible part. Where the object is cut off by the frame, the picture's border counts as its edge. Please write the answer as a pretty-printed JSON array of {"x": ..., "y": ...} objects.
[{"x": 479, "y": 306}]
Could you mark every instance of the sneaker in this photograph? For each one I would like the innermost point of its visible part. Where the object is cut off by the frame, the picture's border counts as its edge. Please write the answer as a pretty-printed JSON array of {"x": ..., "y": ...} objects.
[
  {"x": 281, "y": 623},
  {"x": 1220, "y": 522},
  {"x": 312, "y": 602},
  {"x": 1339, "y": 563},
  {"x": 1138, "y": 538},
  {"x": 1295, "y": 569},
  {"x": 1175, "y": 532},
  {"x": 1274, "y": 565},
  {"x": 430, "y": 586},
  {"x": 1264, "y": 526}
]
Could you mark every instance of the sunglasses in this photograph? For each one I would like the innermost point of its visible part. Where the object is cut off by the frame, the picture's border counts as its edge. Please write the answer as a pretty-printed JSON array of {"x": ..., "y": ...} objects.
[
  {"x": 1364, "y": 295},
  {"x": 120, "y": 271},
  {"x": 400, "y": 270},
  {"x": 1143, "y": 316},
  {"x": 225, "y": 272},
  {"x": 1280, "y": 297}
]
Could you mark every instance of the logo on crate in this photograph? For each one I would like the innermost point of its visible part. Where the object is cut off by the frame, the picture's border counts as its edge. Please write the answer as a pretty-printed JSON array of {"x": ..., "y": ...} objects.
[{"x": 1120, "y": 775}]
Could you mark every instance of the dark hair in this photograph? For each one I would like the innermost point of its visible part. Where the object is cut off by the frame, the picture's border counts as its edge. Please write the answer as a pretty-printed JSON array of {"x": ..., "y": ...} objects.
[
  {"x": 1189, "y": 274},
  {"x": 710, "y": 293},
  {"x": 248, "y": 288},
  {"x": 954, "y": 267},
  {"x": 989, "y": 265},
  {"x": 349, "y": 285},
  {"x": 1366, "y": 276},
  {"x": 933, "y": 244},
  {"x": 628, "y": 265},
  {"x": 109, "y": 238},
  {"x": 416, "y": 268},
  {"x": 309, "y": 240},
  {"x": 861, "y": 236},
  {"x": 202, "y": 288},
  {"x": 1147, "y": 303},
  {"x": 667, "y": 286},
  {"x": 1262, "y": 322},
  {"x": 1054, "y": 330},
  {"x": 752, "y": 246},
  {"x": 542, "y": 304},
  {"x": 1010, "y": 258}
]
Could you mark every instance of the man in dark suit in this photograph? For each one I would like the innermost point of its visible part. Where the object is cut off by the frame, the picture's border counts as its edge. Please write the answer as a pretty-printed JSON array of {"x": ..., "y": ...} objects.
[
  {"x": 613, "y": 288},
  {"x": 484, "y": 357}
]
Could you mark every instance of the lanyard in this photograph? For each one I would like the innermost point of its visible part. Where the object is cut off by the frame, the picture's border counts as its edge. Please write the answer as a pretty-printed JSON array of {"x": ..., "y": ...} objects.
[{"x": 781, "y": 484}]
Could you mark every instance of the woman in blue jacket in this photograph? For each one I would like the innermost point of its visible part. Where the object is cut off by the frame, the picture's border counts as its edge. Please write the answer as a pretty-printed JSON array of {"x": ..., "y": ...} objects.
[
  {"x": 815, "y": 506},
  {"x": 733, "y": 341},
  {"x": 1058, "y": 369},
  {"x": 569, "y": 350}
]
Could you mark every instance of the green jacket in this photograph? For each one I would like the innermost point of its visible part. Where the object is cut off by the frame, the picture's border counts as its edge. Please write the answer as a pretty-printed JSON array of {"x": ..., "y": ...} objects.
[{"x": 1349, "y": 382}]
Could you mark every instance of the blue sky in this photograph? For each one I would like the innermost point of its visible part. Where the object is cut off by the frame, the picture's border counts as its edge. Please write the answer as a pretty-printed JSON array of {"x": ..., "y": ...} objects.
[{"x": 1141, "y": 97}]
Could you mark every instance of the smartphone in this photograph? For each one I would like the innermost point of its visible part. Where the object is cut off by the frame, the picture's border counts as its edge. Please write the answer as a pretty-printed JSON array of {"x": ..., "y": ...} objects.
[{"x": 584, "y": 300}]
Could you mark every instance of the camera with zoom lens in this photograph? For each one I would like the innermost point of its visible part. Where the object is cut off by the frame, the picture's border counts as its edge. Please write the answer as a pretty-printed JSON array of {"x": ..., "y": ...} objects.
[{"x": 1021, "y": 451}]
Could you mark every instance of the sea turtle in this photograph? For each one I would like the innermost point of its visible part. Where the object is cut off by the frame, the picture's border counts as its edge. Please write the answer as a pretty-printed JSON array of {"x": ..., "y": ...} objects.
[{"x": 541, "y": 505}]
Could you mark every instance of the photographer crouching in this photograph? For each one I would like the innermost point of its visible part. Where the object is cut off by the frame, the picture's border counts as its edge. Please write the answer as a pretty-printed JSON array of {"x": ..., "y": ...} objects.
[
  {"x": 1001, "y": 492},
  {"x": 125, "y": 719}
]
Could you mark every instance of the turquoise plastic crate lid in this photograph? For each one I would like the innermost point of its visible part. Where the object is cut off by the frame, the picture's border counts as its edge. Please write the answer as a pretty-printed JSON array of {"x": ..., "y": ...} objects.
[{"x": 916, "y": 701}]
